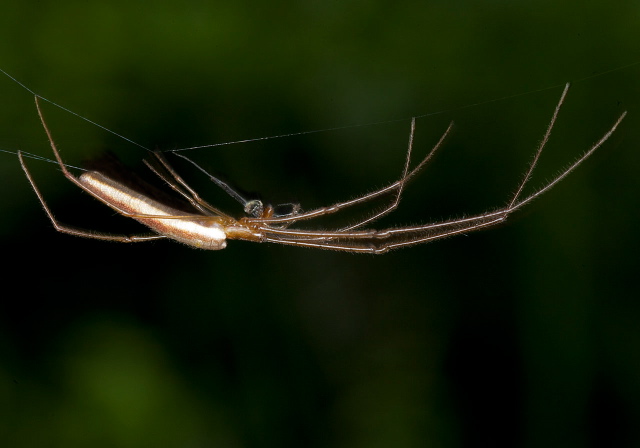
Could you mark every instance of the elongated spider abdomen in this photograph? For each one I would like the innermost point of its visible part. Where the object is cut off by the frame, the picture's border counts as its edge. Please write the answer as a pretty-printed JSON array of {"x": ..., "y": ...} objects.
[{"x": 190, "y": 229}]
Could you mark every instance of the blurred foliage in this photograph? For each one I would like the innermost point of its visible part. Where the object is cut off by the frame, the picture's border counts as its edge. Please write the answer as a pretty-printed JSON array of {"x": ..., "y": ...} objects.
[{"x": 522, "y": 336}]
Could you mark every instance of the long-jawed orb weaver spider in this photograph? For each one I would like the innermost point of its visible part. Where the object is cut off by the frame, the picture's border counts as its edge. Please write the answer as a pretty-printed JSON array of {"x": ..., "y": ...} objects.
[{"x": 206, "y": 227}]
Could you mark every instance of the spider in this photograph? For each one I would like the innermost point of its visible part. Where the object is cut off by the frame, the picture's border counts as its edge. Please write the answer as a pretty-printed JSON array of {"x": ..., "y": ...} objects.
[{"x": 206, "y": 227}]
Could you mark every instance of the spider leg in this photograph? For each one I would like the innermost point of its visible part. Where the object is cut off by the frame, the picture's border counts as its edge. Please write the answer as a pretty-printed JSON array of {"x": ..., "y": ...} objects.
[
  {"x": 401, "y": 236},
  {"x": 396, "y": 200},
  {"x": 253, "y": 207},
  {"x": 390, "y": 245},
  {"x": 495, "y": 217},
  {"x": 190, "y": 194},
  {"x": 64, "y": 169},
  {"x": 378, "y": 242},
  {"x": 322, "y": 211},
  {"x": 570, "y": 168},
  {"x": 541, "y": 146},
  {"x": 374, "y": 217},
  {"x": 77, "y": 182},
  {"x": 81, "y": 232},
  {"x": 405, "y": 176},
  {"x": 363, "y": 241}
]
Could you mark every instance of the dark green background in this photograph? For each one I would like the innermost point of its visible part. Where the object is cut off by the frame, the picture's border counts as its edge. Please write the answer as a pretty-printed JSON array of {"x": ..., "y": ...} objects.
[{"x": 526, "y": 335}]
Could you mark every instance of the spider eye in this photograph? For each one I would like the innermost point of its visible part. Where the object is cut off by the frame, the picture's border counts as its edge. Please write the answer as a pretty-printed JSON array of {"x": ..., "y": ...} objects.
[{"x": 254, "y": 208}]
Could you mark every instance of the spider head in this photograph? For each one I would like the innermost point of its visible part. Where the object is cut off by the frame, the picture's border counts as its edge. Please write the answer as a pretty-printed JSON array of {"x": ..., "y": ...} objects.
[{"x": 254, "y": 208}]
